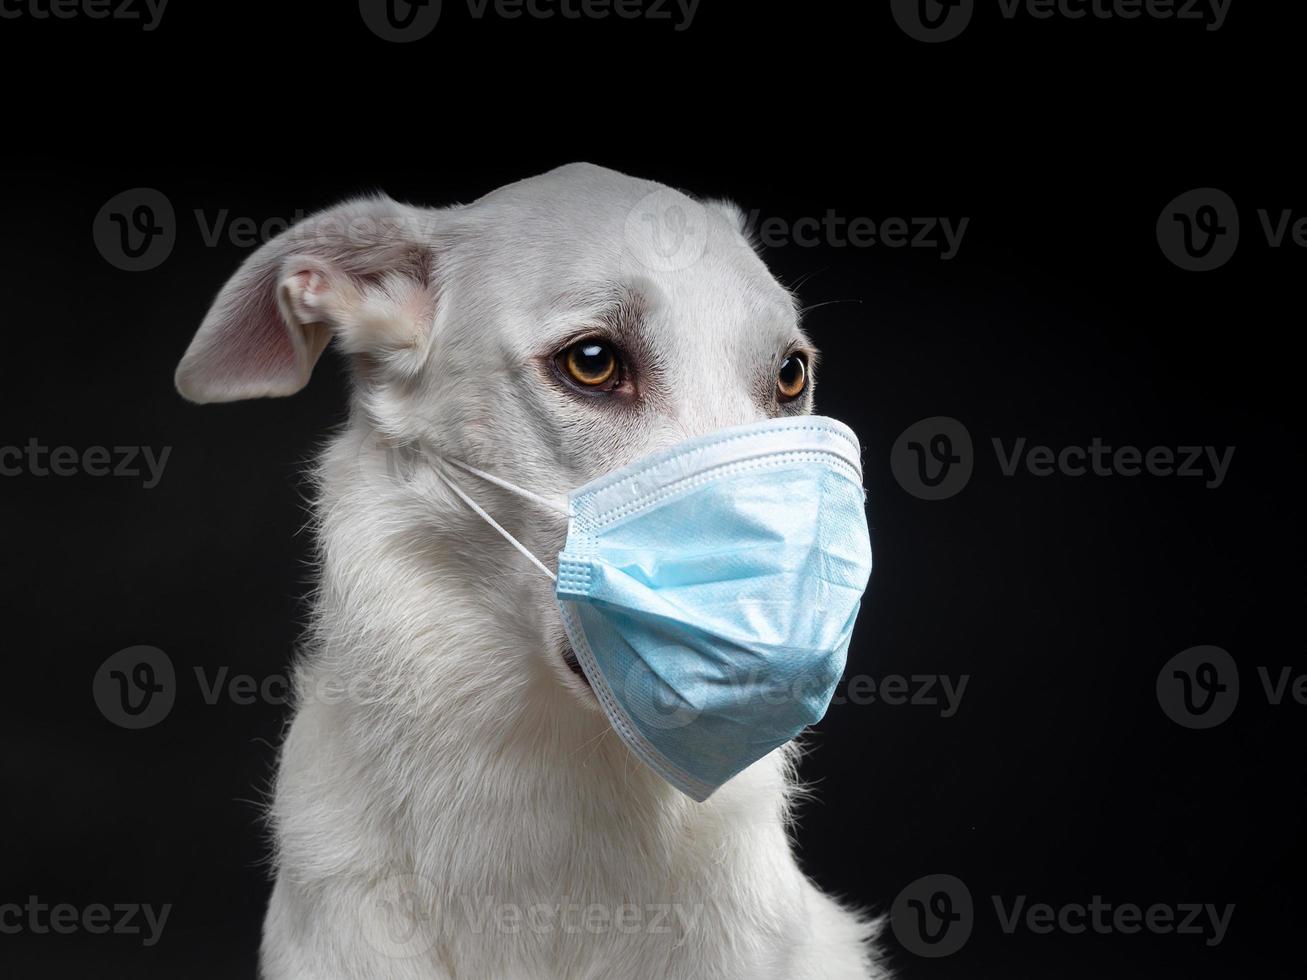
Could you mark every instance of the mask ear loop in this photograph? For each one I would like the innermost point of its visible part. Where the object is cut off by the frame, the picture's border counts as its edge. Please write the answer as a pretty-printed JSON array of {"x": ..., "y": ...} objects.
[
  {"x": 480, "y": 512},
  {"x": 511, "y": 488}
]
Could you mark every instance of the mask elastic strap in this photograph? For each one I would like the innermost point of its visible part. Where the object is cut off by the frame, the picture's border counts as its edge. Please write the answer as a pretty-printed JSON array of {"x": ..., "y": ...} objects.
[
  {"x": 510, "y": 487},
  {"x": 480, "y": 511}
]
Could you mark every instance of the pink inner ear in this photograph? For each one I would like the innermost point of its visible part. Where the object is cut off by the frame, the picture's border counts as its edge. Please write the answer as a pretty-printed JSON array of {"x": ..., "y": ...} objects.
[
  {"x": 310, "y": 281},
  {"x": 244, "y": 348},
  {"x": 265, "y": 346}
]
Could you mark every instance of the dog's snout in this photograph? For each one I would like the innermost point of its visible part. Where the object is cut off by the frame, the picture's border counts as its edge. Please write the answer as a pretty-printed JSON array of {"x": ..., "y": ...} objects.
[{"x": 706, "y": 419}]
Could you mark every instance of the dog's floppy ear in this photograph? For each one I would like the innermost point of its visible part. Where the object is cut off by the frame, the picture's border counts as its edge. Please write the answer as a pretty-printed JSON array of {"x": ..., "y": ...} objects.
[{"x": 362, "y": 272}]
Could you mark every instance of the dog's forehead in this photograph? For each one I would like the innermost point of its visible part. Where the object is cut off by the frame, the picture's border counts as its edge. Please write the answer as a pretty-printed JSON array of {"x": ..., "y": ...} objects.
[{"x": 583, "y": 236}]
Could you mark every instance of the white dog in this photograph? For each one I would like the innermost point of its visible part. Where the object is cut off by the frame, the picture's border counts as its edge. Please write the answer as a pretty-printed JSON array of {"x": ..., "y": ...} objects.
[{"x": 451, "y": 803}]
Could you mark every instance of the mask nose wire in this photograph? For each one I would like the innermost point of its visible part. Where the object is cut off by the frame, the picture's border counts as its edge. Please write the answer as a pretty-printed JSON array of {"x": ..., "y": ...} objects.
[{"x": 480, "y": 511}]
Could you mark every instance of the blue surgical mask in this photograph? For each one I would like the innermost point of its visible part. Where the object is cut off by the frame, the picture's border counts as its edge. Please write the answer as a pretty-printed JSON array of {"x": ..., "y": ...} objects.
[{"x": 709, "y": 591}]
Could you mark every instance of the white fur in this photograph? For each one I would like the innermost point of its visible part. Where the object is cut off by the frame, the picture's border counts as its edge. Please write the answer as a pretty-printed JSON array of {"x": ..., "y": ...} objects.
[{"x": 443, "y": 764}]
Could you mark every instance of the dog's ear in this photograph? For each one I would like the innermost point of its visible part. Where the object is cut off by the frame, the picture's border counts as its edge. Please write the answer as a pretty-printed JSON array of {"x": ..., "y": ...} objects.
[
  {"x": 735, "y": 217},
  {"x": 362, "y": 272}
]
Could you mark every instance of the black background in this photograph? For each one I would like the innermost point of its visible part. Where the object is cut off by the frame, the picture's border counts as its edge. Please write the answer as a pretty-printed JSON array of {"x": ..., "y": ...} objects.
[{"x": 1059, "y": 320}]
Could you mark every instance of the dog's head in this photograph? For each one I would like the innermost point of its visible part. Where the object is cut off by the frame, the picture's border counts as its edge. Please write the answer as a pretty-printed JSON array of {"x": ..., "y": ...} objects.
[{"x": 554, "y": 330}]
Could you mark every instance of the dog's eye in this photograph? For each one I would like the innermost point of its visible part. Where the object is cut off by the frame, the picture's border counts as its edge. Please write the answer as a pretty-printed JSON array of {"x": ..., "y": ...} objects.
[
  {"x": 592, "y": 364},
  {"x": 792, "y": 378}
]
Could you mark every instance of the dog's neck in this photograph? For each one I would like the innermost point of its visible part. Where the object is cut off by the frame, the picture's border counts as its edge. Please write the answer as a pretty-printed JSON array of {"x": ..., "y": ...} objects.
[{"x": 452, "y": 720}]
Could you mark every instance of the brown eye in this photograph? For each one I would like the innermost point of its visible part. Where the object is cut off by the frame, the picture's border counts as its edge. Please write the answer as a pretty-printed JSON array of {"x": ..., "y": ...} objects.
[
  {"x": 590, "y": 363},
  {"x": 792, "y": 378}
]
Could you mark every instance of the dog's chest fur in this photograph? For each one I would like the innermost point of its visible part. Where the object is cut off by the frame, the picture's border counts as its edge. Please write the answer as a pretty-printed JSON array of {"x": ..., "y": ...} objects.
[{"x": 439, "y": 814}]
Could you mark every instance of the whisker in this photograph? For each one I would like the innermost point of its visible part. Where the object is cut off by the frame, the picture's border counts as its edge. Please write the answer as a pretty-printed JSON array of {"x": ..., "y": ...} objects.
[
  {"x": 829, "y": 302},
  {"x": 588, "y": 741}
]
